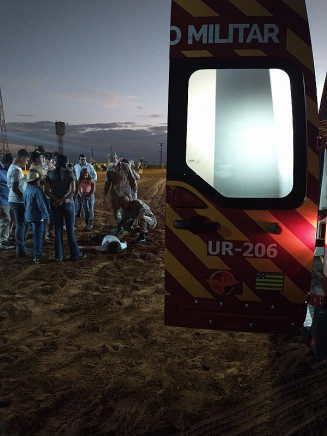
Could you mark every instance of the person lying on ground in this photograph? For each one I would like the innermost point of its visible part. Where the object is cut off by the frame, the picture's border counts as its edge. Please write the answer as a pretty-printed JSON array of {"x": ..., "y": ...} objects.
[{"x": 107, "y": 244}]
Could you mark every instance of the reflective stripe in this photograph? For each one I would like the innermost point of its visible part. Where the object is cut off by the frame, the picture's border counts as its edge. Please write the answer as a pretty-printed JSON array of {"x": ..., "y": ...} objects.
[
  {"x": 196, "y": 8},
  {"x": 251, "y": 8}
]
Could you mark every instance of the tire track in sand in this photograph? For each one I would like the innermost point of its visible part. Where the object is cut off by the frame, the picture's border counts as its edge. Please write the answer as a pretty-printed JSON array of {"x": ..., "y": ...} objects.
[
  {"x": 291, "y": 407},
  {"x": 154, "y": 196}
]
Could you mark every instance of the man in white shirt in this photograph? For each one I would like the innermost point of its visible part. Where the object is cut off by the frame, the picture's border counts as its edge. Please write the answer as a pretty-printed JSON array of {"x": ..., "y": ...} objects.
[
  {"x": 5, "y": 217},
  {"x": 17, "y": 186}
]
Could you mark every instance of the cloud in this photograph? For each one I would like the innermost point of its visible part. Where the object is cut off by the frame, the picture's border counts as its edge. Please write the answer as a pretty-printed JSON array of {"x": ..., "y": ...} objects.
[
  {"x": 128, "y": 139},
  {"x": 108, "y": 99}
]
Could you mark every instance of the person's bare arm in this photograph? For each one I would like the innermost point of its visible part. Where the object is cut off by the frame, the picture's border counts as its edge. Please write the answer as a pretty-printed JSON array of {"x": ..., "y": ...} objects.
[{"x": 17, "y": 191}]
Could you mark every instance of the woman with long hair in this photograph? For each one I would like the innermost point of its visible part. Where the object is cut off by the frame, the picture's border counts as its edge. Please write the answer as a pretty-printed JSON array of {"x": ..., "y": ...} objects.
[
  {"x": 85, "y": 189},
  {"x": 60, "y": 187}
]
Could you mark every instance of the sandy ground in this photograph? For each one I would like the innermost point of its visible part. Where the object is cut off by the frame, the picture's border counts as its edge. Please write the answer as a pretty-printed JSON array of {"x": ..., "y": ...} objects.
[{"x": 84, "y": 351}]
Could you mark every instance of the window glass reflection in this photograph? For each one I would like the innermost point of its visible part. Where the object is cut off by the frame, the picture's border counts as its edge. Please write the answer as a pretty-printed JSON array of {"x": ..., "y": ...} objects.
[{"x": 240, "y": 131}]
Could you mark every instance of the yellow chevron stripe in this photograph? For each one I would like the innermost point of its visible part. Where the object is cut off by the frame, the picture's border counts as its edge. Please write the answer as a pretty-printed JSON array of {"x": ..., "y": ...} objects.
[
  {"x": 298, "y": 7},
  {"x": 212, "y": 262},
  {"x": 197, "y": 8},
  {"x": 309, "y": 210},
  {"x": 298, "y": 48},
  {"x": 291, "y": 292},
  {"x": 197, "y": 54},
  {"x": 184, "y": 278},
  {"x": 312, "y": 111},
  {"x": 248, "y": 295},
  {"x": 322, "y": 125},
  {"x": 313, "y": 163},
  {"x": 194, "y": 242},
  {"x": 227, "y": 229},
  {"x": 266, "y": 265},
  {"x": 287, "y": 239},
  {"x": 251, "y": 8},
  {"x": 249, "y": 52}
]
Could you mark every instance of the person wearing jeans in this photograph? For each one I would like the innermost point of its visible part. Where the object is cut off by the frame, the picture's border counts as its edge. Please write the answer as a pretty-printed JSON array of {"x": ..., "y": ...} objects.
[
  {"x": 82, "y": 164},
  {"x": 60, "y": 187},
  {"x": 64, "y": 213},
  {"x": 17, "y": 186},
  {"x": 85, "y": 189},
  {"x": 49, "y": 166},
  {"x": 21, "y": 228},
  {"x": 5, "y": 217},
  {"x": 36, "y": 212}
]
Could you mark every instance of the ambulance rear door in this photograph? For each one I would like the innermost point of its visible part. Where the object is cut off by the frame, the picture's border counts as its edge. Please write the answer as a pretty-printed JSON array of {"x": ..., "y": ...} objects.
[{"x": 242, "y": 165}]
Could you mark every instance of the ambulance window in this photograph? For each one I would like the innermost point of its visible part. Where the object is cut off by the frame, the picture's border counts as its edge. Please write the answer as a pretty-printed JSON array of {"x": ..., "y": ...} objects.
[{"x": 240, "y": 131}]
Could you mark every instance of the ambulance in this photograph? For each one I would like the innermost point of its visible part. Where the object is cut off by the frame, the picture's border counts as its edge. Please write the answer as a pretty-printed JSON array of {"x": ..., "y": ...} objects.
[{"x": 243, "y": 166}]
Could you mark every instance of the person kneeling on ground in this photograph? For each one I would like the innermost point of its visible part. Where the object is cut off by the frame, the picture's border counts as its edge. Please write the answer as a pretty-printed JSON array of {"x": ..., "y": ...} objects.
[{"x": 141, "y": 215}]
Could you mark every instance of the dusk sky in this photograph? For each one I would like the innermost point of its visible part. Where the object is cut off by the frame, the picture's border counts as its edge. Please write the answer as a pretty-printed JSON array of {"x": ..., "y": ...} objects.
[{"x": 102, "y": 67}]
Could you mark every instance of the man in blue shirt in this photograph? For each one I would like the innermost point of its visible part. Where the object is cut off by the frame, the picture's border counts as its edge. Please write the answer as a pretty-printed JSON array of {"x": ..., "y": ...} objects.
[
  {"x": 36, "y": 211},
  {"x": 5, "y": 218}
]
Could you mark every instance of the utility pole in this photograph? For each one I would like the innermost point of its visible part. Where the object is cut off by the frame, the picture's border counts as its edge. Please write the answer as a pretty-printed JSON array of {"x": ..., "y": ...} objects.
[
  {"x": 4, "y": 139},
  {"x": 112, "y": 152},
  {"x": 161, "y": 162},
  {"x": 60, "y": 131}
]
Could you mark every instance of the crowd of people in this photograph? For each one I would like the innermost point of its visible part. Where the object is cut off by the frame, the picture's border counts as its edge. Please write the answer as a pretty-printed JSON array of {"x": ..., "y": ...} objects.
[{"x": 54, "y": 193}]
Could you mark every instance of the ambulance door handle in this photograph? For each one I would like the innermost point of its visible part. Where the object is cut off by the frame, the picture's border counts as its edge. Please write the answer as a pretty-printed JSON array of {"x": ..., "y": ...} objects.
[{"x": 196, "y": 225}]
